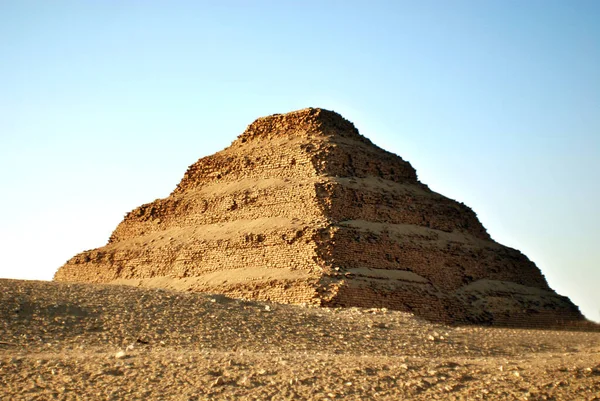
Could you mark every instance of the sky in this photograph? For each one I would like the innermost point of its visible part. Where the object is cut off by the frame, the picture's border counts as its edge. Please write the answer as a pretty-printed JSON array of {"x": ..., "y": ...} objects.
[{"x": 104, "y": 105}]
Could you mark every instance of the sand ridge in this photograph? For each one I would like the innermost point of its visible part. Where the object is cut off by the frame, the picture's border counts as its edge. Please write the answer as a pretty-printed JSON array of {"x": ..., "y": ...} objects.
[{"x": 70, "y": 341}]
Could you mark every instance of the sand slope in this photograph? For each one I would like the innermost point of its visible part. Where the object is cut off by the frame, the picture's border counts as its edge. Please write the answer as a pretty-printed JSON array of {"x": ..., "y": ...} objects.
[{"x": 60, "y": 341}]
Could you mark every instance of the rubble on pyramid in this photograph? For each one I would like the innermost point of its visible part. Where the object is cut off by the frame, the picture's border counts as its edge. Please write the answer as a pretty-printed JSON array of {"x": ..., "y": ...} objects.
[{"x": 303, "y": 209}]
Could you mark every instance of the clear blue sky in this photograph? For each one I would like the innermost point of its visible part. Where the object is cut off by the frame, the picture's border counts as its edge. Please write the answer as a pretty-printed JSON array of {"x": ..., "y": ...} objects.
[{"x": 104, "y": 104}]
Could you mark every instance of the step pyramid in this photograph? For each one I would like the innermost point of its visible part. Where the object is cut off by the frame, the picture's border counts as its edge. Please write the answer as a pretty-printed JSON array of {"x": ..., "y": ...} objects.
[{"x": 303, "y": 209}]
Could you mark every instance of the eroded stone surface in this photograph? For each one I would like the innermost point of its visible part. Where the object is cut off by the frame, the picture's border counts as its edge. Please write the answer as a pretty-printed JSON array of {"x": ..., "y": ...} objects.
[{"x": 301, "y": 208}]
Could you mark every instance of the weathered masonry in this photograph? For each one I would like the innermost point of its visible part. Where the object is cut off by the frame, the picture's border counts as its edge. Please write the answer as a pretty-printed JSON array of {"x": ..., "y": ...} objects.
[{"x": 301, "y": 208}]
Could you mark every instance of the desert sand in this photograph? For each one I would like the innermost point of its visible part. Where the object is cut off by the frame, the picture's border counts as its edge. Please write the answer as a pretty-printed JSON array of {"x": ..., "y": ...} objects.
[{"x": 109, "y": 342}]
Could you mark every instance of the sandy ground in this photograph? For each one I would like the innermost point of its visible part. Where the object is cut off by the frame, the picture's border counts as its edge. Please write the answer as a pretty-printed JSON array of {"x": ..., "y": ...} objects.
[{"x": 101, "y": 342}]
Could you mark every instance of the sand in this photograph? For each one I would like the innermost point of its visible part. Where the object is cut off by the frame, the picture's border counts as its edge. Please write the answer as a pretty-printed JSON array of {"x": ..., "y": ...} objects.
[{"x": 108, "y": 342}]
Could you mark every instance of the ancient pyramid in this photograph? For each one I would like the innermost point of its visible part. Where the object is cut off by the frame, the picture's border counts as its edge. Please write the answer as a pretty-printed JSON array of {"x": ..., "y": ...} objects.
[{"x": 303, "y": 209}]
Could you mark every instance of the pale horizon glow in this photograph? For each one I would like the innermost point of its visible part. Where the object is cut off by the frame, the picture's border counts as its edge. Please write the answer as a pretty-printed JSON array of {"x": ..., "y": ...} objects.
[{"x": 496, "y": 104}]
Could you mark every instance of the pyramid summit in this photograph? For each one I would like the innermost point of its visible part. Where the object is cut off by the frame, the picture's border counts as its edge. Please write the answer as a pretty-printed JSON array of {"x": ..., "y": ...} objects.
[{"x": 301, "y": 208}]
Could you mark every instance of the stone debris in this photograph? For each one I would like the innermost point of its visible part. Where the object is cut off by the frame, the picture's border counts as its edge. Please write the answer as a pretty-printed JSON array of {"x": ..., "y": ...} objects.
[
  {"x": 303, "y": 209},
  {"x": 289, "y": 353}
]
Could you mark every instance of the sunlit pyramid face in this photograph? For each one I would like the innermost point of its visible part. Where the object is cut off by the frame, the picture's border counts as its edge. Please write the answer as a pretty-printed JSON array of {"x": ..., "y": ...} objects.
[{"x": 301, "y": 208}]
